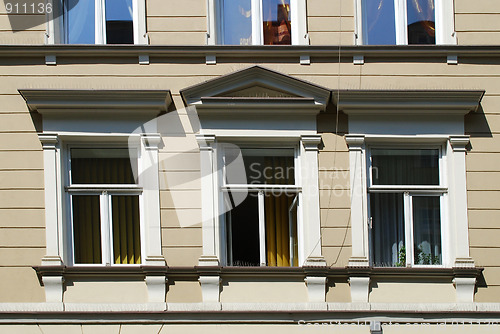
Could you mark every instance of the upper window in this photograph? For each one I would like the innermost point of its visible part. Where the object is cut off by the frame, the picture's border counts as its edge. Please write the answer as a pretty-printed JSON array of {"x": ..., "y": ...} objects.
[
  {"x": 406, "y": 196},
  {"x": 104, "y": 199},
  {"x": 260, "y": 22},
  {"x": 99, "y": 22},
  {"x": 262, "y": 229},
  {"x": 389, "y": 22}
]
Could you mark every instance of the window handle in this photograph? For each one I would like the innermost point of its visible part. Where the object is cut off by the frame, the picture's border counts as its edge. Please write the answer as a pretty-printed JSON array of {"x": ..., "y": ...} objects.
[{"x": 370, "y": 222}]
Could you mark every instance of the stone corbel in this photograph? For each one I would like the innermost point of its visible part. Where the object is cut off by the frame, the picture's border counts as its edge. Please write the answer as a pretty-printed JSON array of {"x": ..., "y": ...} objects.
[
  {"x": 360, "y": 288},
  {"x": 54, "y": 288},
  {"x": 316, "y": 289},
  {"x": 465, "y": 288}
]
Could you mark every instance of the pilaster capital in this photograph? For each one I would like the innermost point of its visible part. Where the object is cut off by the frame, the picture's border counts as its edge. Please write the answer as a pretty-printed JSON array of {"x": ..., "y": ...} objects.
[
  {"x": 151, "y": 140},
  {"x": 355, "y": 142},
  {"x": 48, "y": 140},
  {"x": 310, "y": 142},
  {"x": 459, "y": 143},
  {"x": 205, "y": 141}
]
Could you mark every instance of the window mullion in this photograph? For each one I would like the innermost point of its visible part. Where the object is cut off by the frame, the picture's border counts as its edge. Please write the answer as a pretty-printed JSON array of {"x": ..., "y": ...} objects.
[
  {"x": 105, "y": 199},
  {"x": 257, "y": 19},
  {"x": 400, "y": 14},
  {"x": 408, "y": 216},
  {"x": 262, "y": 229},
  {"x": 100, "y": 22}
]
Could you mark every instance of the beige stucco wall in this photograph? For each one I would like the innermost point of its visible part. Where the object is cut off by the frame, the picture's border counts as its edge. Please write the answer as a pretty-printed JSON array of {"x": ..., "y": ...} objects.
[
  {"x": 22, "y": 235},
  {"x": 328, "y": 23}
]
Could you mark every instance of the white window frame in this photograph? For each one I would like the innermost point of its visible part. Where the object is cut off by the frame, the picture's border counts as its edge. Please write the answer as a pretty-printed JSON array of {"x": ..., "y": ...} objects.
[
  {"x": 298, "y": 19},
  {"x": 261, "y": 189},
  {"x": 105, "y": 192},
  {"x": 444, "y": 22},
  {"x": 57, "y": 26},
  {"x": 409, "y": 192}
]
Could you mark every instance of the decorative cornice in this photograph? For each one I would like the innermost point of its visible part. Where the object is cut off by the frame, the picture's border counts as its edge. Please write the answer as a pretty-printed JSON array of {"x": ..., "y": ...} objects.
[
  {"x": 48, "y": 140},
  {"x": 459, "y": 143},
  {"x": 311, "y": 142},
  {"x": 354, "y": 141},
  {"x": 151, "y": 140},
  {"x": 404, "y": 102},
  {"x": 279, "y": 51},
  {"x": 204, "y": 93},
  {"x": 54, "y": 101}
]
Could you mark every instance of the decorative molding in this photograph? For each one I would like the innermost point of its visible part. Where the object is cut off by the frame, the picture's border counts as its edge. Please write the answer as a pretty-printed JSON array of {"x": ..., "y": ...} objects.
[
  {"x": 305, "y": 60},
  {"x": 211, "y": 60},
  {"x": 205, "y": 141},
  {"x": 459, "y": 143},
  {"x": 50, "y": 60},
  {"x": 210, "y": 289},
  {"x": 151, "y": 141},
  {"x": 403, "y": 102},
  {"x": 465, "y": 287},
  {"x": 355, "y": 142},
  {"x": 358, "y": 60},
  {"x": 256, "y": 76},
  {"x": 316, "y": 289},
  {"x": 48, "y": 140},
  {"x": 51, "y": 101},
  {"x": 143, "y": 59},
  {"x": 157, "y": 288},
  {"x": 310, "y": 142},
  {"x": 54, "y": 288},
  {"x": 360, "y": 288},
  {"x": 452, "y": 59}
]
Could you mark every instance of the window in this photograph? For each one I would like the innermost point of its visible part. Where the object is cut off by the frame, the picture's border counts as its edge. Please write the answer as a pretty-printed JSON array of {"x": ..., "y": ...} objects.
[
  {"x": 262, "y": 229},
  {"x": 104, "y": 206},
  {"x": 389, "y": 22},
  {"x": 406, "y": 196},
  {"x": 260, "y": 22},
  {"x": 101, "y": 21}
]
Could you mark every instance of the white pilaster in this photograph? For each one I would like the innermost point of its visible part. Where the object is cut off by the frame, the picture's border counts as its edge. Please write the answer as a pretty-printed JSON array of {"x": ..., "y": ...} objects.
[
  {"x": 52, "y": 194},
  {"x": 310, "y": 201},
  {"x": 359, "y": 228},
  {"x": 459, "y": 200},
  {"x": 208, "y": 200},
  {"x": 149, "y": 179}
]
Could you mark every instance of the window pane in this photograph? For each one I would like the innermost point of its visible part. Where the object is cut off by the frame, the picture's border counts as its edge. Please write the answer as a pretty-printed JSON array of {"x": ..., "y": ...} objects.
[
  {"x": 269, "y": 166},
  {"x": 388, "y": 234},
  {"x": 243, "y": 233},
  {"x": 237, "y": 22},
  {"x": 86, "y": 229},
  {"x": 421, "y": 18},
  {"x": 126, "y": 229},
  {"x": 379, "y": 27},
  {"x": 101, "y": 166},
  {"x": 405, "y": 167},
  {"x": 277, "y": 22},
  {"x": 427, "y": 229},
  {"x": 281, "y": 229},
  {"x": 119, "y": 22},
  {"x": 80, "y": 22}
]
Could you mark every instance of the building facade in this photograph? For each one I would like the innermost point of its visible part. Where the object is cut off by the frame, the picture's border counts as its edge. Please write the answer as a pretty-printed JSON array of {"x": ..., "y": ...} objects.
[{"x": 273, "y": 165}]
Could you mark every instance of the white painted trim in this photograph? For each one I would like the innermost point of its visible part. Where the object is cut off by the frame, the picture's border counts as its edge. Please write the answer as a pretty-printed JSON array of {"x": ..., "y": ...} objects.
[
  {"x": 157, "y": 289},
  {"x": 262, "y": 229},
  {"x": 54, "y": 287},
  {"x": 297, "y": 12},
  {"x": 465, "y": 289},
  {"x": 359, "y": 308},
  {"x": 56, "y": 27},
  {"x": 444, "y": 22},
  {"x": 210, "y": 290}
]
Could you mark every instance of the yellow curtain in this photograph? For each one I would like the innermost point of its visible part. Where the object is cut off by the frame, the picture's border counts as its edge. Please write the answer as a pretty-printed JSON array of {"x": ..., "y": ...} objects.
[
  {"x": 276, "y": 207},
  {"x": 126, "y": 229},
  {"x": 86, "y": 212},
  {"x": 87, "y": 229}
]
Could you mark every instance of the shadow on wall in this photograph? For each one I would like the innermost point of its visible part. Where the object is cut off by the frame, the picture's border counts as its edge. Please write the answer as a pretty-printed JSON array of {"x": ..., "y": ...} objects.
[{"x": 26, "y": 14}]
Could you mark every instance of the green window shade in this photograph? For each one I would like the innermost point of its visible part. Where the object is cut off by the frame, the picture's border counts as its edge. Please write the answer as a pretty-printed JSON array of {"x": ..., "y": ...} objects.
[
  {"x": 126, "y": 230},
  {"x": 87, "y": 229},
  {"x": 101, "y": 166}
]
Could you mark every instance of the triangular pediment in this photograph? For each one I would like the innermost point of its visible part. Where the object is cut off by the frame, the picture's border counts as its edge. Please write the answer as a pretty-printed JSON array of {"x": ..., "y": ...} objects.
[{"x": 256, "y": 83}]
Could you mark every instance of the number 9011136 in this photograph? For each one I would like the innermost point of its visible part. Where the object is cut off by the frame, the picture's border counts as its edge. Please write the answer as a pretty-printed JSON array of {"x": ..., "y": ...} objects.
[{"x": 28, "y": 7}]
